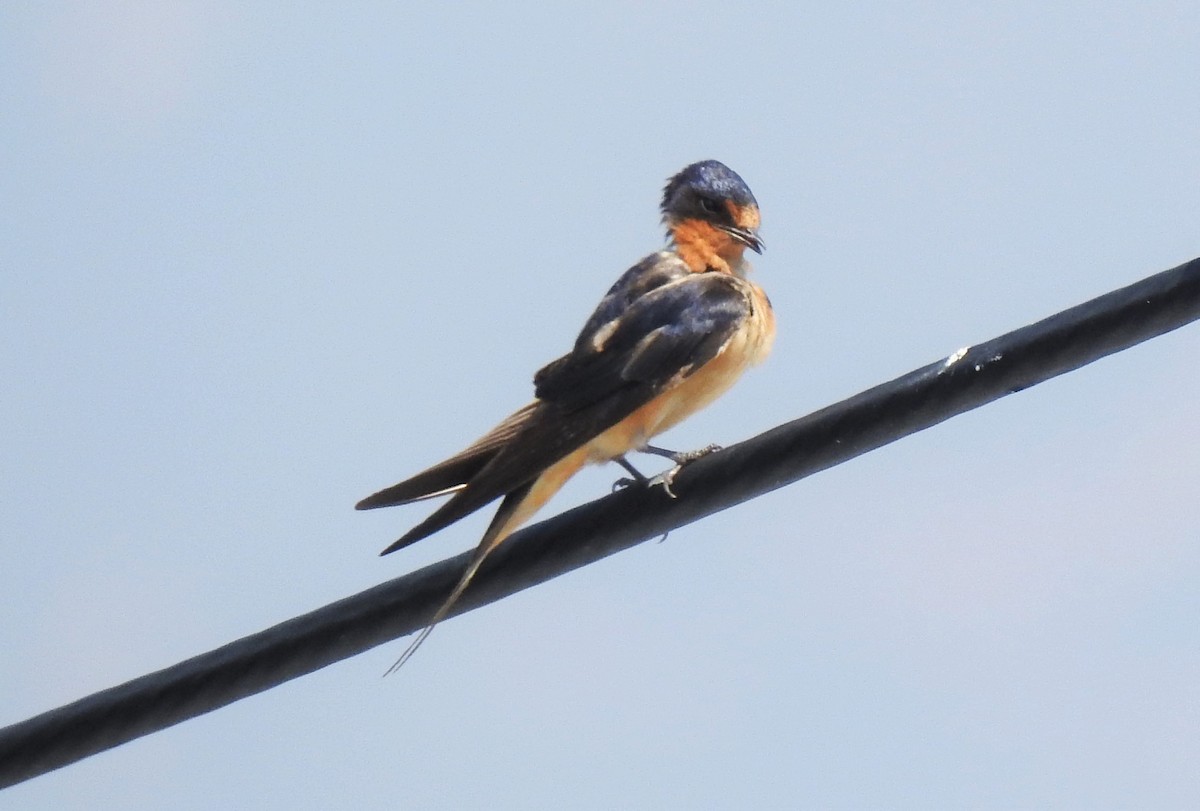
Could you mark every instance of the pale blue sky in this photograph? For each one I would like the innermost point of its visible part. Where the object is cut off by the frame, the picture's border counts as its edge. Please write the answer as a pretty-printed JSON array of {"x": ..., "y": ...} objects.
[{"x": 261, "y": 260}]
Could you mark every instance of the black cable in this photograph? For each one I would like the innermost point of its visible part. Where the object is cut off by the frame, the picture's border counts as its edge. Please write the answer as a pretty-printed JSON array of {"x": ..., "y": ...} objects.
[{"x": 588, "y": 533}]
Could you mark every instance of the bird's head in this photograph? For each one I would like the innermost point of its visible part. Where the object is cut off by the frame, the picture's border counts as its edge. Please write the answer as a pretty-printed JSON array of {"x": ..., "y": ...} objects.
[{"x": 711, "y": 216}]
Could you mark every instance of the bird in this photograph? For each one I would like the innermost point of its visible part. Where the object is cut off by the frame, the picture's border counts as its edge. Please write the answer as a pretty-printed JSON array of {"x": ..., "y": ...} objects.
[{"x": 672, "y": 334}]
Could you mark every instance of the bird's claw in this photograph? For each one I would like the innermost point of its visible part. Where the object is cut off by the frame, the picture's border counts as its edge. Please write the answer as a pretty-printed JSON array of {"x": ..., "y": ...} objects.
[
  {"x": 624, "y": 482},
  {"x": 681, "y": 460},
  {"x": 666, "y": 479}
]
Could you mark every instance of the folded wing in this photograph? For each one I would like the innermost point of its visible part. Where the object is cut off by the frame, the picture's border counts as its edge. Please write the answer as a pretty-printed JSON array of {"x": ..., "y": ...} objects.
[{"x": 618, "y": 365}]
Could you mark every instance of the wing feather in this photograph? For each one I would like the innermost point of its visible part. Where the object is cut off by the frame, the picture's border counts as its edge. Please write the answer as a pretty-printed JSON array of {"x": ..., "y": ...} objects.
[{"x": 453, "y": 474}]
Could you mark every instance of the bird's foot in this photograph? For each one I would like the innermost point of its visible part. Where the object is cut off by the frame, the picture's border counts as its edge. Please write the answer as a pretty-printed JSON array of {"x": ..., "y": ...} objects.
[{"x": 681, "y": 459}]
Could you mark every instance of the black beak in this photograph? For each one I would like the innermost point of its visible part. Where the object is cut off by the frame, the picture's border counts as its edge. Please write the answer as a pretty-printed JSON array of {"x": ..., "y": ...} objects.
[{"x": 746, "y": 236}]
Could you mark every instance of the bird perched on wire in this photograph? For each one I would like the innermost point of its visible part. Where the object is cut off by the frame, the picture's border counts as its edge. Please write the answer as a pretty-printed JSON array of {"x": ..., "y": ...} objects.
[{"x": 673, "y": 334}]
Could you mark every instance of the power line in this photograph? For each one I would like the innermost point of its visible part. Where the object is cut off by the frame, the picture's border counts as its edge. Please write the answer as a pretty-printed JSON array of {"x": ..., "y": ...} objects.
[{"x": 967, "y": 379}]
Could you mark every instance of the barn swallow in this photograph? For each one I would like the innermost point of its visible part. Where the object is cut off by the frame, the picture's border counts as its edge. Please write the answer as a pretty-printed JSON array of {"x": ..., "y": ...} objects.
[{"x": 673, "y": 334}]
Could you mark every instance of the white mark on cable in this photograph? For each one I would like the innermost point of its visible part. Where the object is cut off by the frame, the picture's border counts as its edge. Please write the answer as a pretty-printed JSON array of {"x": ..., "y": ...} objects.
[{"x": 956, "y": 357}]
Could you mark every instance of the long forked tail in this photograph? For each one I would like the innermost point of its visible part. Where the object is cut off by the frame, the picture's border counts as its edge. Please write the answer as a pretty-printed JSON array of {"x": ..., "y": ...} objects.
[
  {"x": 441, "y": 613},
  {"x": 502, "y": 524},
  {"x": 514, "y": 511}
]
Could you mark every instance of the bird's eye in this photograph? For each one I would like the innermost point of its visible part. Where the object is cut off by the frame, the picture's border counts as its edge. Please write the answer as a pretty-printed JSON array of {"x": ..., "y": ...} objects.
[{"x": 710, "y": 205}]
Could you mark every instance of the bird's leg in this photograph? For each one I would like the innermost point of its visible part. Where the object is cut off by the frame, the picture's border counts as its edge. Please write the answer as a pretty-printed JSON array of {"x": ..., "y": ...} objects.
[
  {"x": 680, "y": 458},
  {"x": 637, "y": 477}
]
